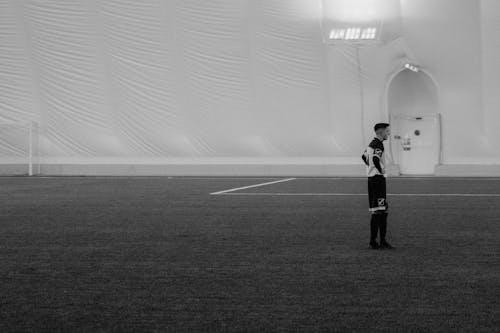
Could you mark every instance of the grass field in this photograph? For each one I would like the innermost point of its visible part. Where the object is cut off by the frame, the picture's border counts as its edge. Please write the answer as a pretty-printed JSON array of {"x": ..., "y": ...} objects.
[{"x": 164, "y": 255}]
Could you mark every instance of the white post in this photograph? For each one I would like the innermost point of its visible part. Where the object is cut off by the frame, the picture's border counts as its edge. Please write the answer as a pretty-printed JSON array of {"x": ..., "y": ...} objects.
[
  {"x": 37, "y": 147},
  {"x": 30, "y": 167}
]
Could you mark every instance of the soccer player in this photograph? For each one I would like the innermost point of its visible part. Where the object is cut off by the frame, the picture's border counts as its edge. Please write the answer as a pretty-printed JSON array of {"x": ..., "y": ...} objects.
[{"x": 374, "y": 159}]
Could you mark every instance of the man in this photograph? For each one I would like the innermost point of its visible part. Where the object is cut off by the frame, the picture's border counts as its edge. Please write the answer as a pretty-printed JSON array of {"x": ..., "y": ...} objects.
[{"x": 374, "y": 159}]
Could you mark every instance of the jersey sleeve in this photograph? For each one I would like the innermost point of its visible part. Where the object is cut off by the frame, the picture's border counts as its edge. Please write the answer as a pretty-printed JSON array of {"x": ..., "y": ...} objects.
[
  {"x": 364, "y": 157},
  {"x": 376, "y": 163}
]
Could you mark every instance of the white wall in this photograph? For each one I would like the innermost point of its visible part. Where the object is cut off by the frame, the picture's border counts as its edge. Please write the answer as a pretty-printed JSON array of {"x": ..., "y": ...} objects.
[
  {"x": 490, "y": 19},
  {"x": 122, "y": 81}
]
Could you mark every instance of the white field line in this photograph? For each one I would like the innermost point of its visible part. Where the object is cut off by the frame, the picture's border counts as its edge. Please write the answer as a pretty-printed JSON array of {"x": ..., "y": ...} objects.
[
  {"x": 493, "y": 195},
  {"x": 339, "y": 177},
  {"x": 265, "y": 177},
  {"x": 252, "y": 186}
]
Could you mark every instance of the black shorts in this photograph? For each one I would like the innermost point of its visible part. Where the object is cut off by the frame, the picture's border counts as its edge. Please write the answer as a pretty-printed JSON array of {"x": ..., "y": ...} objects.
[{"x": 377, "y": 195}]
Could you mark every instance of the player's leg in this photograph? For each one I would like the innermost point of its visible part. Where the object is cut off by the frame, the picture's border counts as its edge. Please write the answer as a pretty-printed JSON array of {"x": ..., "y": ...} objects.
[
  {"x": 383, "y": 216},
  {"x": 383, "y": 228},
  {"x": 374, "y": 226},
  {"x": 374, "y": 220},
  {"x": 383, "y": 231}
]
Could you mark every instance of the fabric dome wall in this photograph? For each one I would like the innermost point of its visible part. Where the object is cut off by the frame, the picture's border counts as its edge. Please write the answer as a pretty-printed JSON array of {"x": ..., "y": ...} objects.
[{"x": 121, "y": 80}]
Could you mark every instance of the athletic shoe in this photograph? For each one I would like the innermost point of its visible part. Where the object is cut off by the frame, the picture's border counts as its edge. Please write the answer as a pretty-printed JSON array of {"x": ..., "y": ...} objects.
[
  {"x": 387, "y": 246},
  {"x": 374, "y": 246}
]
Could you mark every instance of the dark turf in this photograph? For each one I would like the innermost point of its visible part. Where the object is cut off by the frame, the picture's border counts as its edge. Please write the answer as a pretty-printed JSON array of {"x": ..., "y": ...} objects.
[{"x": 161, "y": 255}]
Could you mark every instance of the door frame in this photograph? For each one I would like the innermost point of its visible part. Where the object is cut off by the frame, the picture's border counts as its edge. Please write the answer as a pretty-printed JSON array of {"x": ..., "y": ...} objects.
[{"x": 388, "y": 115}]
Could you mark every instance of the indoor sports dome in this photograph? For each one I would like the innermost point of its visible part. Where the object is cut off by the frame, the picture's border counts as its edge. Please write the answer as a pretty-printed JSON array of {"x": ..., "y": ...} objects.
[
  {"x": 249, "y": 166},
  {"x": 248, "y": 87}
]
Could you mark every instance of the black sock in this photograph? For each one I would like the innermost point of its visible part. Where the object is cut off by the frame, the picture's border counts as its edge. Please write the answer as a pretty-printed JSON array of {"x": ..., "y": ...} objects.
[
  {"x": 383, "y": 226},
  {"x": 374, "y": 228}
]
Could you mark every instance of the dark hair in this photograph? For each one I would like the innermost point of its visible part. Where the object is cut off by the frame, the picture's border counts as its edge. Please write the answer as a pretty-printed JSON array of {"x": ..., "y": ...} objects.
[{"x": 381, "y": 126}]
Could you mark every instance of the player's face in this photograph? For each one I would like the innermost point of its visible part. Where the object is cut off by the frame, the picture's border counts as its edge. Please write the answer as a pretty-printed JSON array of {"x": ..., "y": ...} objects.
[{"x": 386, "y": 133}]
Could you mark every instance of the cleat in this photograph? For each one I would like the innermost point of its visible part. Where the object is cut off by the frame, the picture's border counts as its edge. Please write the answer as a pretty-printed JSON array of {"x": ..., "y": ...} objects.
[
  {"x": 374, "y": 246},
  {"x": 387, "y": 246}
]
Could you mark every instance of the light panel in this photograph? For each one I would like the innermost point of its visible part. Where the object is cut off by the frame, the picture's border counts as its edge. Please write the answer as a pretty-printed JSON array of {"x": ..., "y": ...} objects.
[
  {"x": 360, "y": 21},
  {"x": 412, "y": 68},
  {"x": 354, "y": 33}
]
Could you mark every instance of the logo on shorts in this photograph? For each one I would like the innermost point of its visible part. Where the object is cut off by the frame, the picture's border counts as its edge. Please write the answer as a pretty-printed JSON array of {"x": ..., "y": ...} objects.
[{"x": 381, "y": 202}]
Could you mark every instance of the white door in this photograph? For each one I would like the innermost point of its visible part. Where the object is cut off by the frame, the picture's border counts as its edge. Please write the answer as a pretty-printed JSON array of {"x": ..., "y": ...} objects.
[{"x": 416, "y": 144}]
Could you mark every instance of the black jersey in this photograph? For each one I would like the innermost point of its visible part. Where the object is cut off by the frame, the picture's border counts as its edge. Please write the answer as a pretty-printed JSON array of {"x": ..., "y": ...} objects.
[{"x": 374, "y": 158}]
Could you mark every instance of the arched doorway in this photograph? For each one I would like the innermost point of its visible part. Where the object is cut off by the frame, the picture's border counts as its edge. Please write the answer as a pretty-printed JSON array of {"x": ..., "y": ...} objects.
[{"x": 413, "y": 107}]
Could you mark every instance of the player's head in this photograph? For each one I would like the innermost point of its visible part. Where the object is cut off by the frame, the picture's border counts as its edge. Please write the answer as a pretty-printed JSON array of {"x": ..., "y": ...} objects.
[{"x": 382, "y": 130}]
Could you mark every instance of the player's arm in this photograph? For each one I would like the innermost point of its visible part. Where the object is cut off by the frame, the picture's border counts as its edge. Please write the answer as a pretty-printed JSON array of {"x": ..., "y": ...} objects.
[
  {"x": 376, "y": 163},
  {"x": 364, "y": 157}
]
